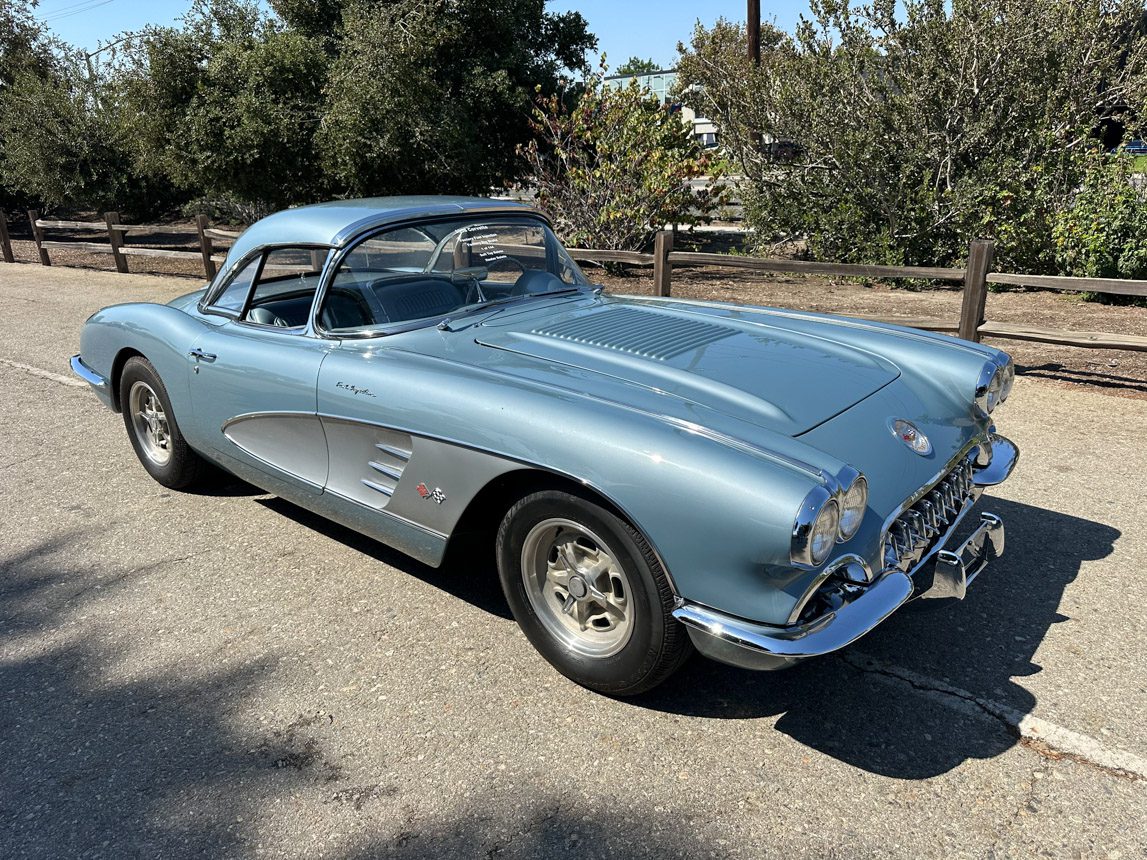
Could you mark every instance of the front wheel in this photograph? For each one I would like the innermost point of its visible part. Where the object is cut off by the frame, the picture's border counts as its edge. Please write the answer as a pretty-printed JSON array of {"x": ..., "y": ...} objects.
[
  {"x": 589, "y": 594},
  {"x": 152, "y": 428}
]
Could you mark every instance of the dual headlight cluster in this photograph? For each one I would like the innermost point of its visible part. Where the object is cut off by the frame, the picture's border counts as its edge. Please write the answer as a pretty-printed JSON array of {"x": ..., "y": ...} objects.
[
  {"x": 994, "y": 386},
  {"x": 829, "y": 515}
]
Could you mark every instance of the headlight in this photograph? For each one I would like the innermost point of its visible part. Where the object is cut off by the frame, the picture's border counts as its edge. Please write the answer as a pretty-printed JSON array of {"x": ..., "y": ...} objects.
[
  {"x": 853, "y": 503},
  {"x": 1009, "y": 379},
  {"x": 824, "y": 532},
  {"x": 993, "y": 386},
  {"x": 994, "y": 389},
  {"x": 816, "y": 528}
]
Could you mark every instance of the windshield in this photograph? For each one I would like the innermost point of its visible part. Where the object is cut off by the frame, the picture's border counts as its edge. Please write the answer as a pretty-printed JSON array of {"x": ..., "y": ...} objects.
[{"x": 444, "y": 268}]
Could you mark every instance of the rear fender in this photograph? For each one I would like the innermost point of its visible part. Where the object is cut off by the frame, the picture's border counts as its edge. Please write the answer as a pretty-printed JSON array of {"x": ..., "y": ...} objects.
[{"x": 161, "y": 334}]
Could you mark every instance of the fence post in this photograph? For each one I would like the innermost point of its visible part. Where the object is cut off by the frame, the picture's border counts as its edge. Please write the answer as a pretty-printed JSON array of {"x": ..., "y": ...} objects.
[
  {"x": 980, "y": 253},
  {"x": 115, "y": 237},
  {"x": 205, "y": 245},
  {"x": 662, "y": 270},
  {"x": 38, "y": 235},
  {"x": 5, "y": 241}
]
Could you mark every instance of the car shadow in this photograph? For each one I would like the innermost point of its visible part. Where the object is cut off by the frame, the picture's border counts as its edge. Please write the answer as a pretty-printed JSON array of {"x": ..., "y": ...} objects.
[
  {"x": 469, "y": 571},
  {"x": 841, "y": 705},
  {"x": 846, "y": 706}
]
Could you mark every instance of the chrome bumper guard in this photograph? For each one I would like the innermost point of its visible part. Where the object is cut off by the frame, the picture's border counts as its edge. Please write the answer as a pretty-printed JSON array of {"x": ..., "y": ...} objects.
[
  {"x": 955, "y": 569},
  {"x": 752, "y": 645}
]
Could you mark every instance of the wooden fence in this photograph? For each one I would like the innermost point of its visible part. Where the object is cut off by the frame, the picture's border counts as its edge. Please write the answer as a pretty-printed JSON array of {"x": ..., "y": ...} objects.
[
  {"x": 975, "y": 276},
  {"x": 117, "y": 244}
]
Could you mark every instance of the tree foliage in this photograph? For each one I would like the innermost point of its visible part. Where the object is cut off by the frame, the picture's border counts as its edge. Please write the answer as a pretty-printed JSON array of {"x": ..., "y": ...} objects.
[
  {"x": 435, "y": 94},
  {"x": 1103, "y": 232},
  {"x": 895, "y": 132},
  {"x": 615, "y": 167},
  {"x": 245, "y": 109},
  {"x": 637, "y": 66}
]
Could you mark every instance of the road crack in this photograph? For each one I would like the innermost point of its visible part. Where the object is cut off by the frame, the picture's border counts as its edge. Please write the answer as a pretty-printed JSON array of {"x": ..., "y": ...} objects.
[{"x": 1042, "y": 737}]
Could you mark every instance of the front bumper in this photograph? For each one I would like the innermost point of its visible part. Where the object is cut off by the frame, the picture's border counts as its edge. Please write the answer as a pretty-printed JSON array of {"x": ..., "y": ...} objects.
[
  {"x": 98, "y": 383},
  {"x": 941, "y": 573}
]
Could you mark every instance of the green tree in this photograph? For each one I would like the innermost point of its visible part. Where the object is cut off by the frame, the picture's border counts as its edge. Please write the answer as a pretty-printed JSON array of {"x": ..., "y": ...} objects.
[
  {"x": 617, "y": 166},
  {"x": 25, "y": 46},
  {"x": 637, "y": 66},
  {"x": 1103, "y": 232},
  {"x": 917, "y": 126},
  {"x": 226, "y": 106},
  {"x": 434, "y": 95}
]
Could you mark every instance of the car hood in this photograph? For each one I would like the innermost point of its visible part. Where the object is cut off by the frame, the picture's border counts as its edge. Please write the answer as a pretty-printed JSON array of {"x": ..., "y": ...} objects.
[{"x": 776, "y": 378}]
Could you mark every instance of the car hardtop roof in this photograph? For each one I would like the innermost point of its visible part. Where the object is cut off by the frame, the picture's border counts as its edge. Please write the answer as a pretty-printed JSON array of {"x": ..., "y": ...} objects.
[{"x": 333, "y": 223}]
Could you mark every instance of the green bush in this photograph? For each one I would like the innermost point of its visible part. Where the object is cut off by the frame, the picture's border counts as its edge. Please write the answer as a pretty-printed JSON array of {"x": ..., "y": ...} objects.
[
  {"x": 1103, "y": 232},
  {"x": 617, "y": 166},
  {"x": 908, "y": 128}
]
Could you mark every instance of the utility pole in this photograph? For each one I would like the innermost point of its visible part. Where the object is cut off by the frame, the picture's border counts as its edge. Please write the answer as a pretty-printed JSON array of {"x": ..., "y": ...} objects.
[{"x": 754, "y": 26}]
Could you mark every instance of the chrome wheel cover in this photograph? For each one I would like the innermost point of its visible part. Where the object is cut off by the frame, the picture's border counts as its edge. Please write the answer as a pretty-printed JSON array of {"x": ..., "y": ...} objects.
[
  {"x": 149, "y": 423},
  {"x": 576, "y": 587}
]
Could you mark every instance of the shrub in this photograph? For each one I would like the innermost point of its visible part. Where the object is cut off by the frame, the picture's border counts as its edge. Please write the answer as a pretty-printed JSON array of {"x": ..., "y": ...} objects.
[{"x": 616, "y": 167}]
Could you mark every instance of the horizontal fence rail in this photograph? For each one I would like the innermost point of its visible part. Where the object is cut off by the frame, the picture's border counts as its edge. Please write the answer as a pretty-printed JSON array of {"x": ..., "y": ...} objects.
[
  {"x": 117, "y": 246},
  {"x": 975, "y": 277}
]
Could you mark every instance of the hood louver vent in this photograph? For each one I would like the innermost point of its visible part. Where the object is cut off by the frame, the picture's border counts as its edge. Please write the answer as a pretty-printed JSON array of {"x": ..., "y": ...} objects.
[{"x": 638, "y": 332}]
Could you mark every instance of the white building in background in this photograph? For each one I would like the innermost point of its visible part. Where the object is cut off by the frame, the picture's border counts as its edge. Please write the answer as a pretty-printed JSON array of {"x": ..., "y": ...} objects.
[{"x": 661, "y": 84}]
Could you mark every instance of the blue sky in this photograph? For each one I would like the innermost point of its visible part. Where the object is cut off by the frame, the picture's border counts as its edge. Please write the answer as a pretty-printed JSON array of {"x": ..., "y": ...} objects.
[{"x": 645, "y": 28}]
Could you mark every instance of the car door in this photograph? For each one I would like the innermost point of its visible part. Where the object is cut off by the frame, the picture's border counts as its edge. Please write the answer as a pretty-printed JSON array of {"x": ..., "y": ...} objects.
[{"x": 254, "y": 377}]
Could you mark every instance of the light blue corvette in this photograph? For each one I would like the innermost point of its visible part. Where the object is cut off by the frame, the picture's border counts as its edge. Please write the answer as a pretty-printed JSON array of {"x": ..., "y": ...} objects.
[{"x": 763, "y": 484}]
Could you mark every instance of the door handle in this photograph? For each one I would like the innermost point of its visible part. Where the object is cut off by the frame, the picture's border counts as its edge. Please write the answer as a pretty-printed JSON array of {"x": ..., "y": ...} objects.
[{"x": 200, "y": 355}]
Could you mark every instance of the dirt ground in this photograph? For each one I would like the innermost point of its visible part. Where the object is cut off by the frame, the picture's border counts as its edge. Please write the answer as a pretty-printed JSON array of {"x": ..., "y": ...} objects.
[{"x": 1115, "y": 372}]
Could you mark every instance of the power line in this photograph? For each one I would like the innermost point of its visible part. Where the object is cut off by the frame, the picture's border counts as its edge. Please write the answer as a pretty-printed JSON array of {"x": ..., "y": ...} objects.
[{"x": 76, "y": 9}]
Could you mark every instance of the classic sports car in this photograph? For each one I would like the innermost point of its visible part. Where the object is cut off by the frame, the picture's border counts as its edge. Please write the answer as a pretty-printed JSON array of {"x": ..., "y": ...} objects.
[{"x": 652, "y": 474}]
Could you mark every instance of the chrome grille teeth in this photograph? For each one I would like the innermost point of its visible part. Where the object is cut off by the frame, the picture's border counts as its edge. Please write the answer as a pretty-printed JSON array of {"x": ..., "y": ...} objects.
[{"x": 912, "y": 533}]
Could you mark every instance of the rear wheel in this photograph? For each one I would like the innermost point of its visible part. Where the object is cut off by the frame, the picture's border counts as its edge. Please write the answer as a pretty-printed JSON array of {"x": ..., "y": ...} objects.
[
  {"x": 153, "y": 430},
  {"x": 589, "y": 593}
]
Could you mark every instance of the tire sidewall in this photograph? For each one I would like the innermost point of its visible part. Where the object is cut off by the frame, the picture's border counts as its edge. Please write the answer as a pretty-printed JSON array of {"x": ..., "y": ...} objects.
[
  {"x": 629, "y": 669},
  {"x": 181, "y": 468}
]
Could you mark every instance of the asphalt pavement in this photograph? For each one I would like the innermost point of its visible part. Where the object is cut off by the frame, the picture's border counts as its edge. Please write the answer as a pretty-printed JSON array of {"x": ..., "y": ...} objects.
[{"x": 227, "y": 675}]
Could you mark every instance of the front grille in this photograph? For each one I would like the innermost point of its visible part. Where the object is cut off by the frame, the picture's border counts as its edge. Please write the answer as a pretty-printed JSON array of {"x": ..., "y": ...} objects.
[{"x": 915, "y": 532}]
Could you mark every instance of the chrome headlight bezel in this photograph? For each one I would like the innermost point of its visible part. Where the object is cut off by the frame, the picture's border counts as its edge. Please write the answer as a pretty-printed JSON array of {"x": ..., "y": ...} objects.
[
  {"x": 818, "y": 510},
  {"x": 853, "y": 500},
  {"x": 825, "y": 506},
  {"x": 993, "y": 385}
]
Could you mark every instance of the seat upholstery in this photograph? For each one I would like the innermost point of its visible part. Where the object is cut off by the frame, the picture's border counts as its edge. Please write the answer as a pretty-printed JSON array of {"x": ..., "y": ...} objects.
[
  {"x": 265, "y": 316},
  {"x": 424, "y": 297}
]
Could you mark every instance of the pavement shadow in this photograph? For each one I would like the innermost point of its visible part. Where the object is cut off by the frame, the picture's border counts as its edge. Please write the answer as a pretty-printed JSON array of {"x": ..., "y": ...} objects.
[
  {"x": 839, "y": 707},
  {"x": 96, "y": 768},
  {"x": 469, "y": 571},
  {"x": 103, "y": 758},
  {"x": 1099, "y": 379}
]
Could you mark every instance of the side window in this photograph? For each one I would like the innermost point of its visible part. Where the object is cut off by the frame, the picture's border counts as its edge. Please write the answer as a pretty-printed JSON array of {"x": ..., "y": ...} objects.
[
  {"x": 276, "y": 288},
  {"x": 235, "y": 296}
]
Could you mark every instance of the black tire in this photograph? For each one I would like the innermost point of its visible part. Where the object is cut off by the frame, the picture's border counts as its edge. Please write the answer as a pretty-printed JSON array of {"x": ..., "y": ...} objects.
[
  {"x": 171, "y": 461},
  {"x": 656, "y": 643}
]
